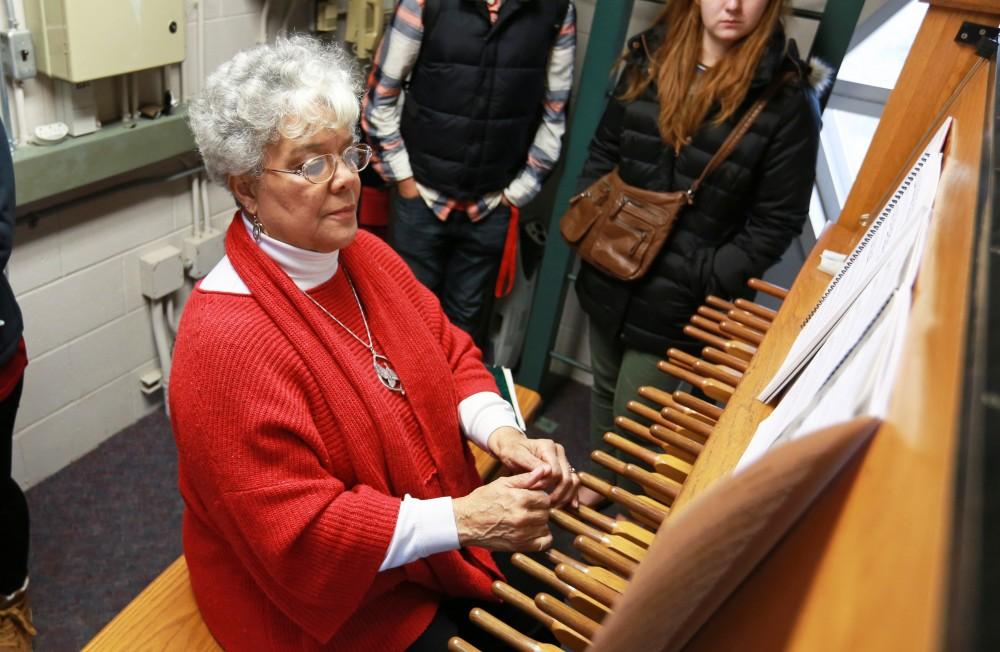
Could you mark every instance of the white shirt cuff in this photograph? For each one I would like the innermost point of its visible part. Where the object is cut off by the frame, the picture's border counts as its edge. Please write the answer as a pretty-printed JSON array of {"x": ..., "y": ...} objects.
[
  {"x": 423, "y": 528},
  {"x": 482, "y": 413}
]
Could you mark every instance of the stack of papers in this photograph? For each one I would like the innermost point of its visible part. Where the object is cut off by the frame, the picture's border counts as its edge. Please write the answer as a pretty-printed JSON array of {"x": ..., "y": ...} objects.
[{"x": 843, "y": 362}]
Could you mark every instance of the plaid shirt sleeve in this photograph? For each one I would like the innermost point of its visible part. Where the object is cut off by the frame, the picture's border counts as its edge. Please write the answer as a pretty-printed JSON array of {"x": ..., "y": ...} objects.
[
  {"x": 545, "y": 149},
  {"x": 381, "y": 111}
]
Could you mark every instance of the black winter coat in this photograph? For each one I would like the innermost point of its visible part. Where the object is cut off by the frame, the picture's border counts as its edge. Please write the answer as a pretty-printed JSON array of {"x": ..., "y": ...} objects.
[
  {"x": 11, "y": 323},
  {"x": 746, "y": 213}
]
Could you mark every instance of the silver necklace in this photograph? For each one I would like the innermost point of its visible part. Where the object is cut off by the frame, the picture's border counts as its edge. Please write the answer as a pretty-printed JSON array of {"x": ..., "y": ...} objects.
[{"x": 383, "y": 369}]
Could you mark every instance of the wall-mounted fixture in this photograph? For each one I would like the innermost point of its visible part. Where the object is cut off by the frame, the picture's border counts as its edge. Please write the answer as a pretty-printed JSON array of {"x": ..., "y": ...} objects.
[{"x": 77, "y": 42}]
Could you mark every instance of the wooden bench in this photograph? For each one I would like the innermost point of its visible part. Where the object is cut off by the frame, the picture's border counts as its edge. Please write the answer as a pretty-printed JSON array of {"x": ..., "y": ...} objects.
[{"x": 165, "y": 617}]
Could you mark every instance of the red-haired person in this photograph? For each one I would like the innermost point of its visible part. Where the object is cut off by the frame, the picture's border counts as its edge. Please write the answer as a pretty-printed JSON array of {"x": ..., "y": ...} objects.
[{"x": 687, "y": 81}]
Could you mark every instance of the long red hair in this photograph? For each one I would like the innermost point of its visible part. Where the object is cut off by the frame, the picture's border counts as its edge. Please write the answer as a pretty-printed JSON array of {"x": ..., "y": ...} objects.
[{"x": 686, "y": 96}]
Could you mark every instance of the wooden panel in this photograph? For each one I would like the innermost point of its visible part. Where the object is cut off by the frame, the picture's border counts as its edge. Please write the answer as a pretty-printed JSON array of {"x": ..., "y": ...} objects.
[
  {"x": 163, "y": 617},
  {"x": 867, "y": 567},
  {"x": 984, "y": 6}
]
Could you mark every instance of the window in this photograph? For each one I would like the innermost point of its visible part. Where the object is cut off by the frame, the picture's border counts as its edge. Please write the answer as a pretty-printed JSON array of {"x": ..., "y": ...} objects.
[{"x": 867, "y": 74}]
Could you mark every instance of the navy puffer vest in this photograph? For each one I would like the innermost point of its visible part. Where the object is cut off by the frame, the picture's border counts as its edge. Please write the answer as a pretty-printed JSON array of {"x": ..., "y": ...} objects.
[{"x": 474, "y": 100}]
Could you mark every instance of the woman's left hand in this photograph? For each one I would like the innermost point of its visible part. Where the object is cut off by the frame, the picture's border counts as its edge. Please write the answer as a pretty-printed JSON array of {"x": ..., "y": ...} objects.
[{"x": 519, "y": 453}]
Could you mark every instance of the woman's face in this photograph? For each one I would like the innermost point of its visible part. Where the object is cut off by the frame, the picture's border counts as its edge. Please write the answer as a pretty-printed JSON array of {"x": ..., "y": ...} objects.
[
  {"x": 315, "y": 216},
  {"x": 728, "y": 21}
]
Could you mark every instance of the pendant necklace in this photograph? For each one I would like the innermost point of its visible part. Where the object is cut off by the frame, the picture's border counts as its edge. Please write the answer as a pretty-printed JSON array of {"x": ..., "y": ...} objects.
[{"x": 383, "y": 369}]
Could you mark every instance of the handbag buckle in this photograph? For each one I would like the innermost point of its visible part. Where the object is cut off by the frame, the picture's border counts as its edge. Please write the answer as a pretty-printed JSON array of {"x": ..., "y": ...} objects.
[{"x": 689, "y": 195}]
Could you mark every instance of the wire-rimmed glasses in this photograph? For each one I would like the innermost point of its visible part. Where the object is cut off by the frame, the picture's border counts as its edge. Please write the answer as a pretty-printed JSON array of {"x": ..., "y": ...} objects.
[{"x": 320, "y": 169}]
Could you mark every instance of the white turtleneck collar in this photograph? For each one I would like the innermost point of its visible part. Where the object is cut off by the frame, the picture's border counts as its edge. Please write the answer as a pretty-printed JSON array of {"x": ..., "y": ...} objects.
[{"x": 307, "y": 269}]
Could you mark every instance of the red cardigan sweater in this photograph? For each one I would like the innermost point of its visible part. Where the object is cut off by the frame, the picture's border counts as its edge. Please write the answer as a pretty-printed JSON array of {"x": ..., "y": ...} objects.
[{"x": 293, "y": 457}]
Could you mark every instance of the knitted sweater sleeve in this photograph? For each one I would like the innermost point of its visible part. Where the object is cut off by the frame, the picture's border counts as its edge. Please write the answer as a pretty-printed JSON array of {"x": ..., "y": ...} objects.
[{"x": 252, "y": 455}]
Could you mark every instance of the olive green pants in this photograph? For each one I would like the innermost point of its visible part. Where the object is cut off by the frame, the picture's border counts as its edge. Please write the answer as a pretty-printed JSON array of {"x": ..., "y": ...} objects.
[{"x": 619, "y": 372}]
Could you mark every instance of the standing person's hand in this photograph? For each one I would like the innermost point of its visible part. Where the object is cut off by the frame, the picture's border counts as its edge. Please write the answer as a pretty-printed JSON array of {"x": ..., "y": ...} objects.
[
  {"x": 520, "y": 453},
  {"x": 509, "y": 514},
  {"x": 407, "y": 188}
]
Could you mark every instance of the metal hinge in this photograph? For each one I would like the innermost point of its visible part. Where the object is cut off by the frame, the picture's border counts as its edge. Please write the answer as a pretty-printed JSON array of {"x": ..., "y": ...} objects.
[{"x": 981, "y": 37}]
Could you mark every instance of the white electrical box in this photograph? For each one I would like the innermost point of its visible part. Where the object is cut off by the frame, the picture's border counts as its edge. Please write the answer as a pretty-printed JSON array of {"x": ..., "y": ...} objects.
[
  {"x": 80, "y": 40},
  {"x": 203, "y": 251},
  {"x": 161, "y": 272},
  {"x": 76, "y": 107}
]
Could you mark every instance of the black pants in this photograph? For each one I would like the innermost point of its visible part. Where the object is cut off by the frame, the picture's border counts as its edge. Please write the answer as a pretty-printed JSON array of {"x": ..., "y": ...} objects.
[
  {"x": 452, "y": 618},
  {"x": 13, "y": 506}
]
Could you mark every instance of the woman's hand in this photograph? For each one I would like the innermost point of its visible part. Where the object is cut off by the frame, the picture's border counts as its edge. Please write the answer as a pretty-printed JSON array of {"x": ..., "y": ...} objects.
[
  {"x": 519, "y": 453},
  {"x": 509, "y": 514},
  {"x": 407, "y": 188}
]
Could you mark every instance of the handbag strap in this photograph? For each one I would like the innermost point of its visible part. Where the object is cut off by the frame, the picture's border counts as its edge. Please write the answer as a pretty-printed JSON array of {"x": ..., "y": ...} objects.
[{"x": 736, "y": 135}]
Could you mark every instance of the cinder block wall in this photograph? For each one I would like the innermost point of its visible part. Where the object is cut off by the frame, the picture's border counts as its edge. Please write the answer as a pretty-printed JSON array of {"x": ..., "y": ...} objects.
[{"x": 76, "y": 275}]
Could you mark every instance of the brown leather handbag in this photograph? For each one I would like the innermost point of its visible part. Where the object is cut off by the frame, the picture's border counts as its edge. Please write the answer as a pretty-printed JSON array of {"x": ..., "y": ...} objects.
[{"x": 619, "y": 228}]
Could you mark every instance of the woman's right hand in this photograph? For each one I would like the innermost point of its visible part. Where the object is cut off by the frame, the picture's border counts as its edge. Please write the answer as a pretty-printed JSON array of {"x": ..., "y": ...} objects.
[
  {"x": 407, "y": 188},
  {"x": 508, "y": 514}
]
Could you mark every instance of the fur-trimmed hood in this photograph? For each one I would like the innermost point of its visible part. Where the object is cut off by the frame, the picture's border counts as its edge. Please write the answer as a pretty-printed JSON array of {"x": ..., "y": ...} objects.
[{"x": 820, "y": 75}]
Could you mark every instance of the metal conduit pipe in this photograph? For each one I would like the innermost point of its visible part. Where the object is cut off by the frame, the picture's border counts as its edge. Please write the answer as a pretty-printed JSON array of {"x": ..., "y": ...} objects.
[
  {"x": 173, "y": 320},
  {"x": 133, "y": 103},
  {"x": 201, "y": 43},
  {"x": 126, "y": 112},
  {"x": 11, "y": 15},
  {"x": 196, "y": 205},
  {"x": 206, "y": 214},
  {"x": 162, "y": 339},
  {"x": 19, "y": 113},
  {"x": 288, "y": 16},
  {"x": 262, "y": 34}
]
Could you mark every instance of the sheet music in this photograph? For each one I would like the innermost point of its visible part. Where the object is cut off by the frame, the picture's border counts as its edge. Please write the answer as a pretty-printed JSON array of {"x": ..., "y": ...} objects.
[
  {"x": 872, "y": 252},
  {"x": 852, "y": 368}
]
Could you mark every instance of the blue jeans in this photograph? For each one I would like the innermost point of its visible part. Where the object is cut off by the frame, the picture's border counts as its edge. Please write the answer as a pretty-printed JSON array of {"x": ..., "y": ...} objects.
[{"x": 456, "y": 259}]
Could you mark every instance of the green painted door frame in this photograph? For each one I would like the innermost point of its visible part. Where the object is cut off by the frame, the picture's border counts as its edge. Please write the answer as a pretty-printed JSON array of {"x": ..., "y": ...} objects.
[
  {"x": 834, "y": 33},
  {"x": 607, "y": 36}
]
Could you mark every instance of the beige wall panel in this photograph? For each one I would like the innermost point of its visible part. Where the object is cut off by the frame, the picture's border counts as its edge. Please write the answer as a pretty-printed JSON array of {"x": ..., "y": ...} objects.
[{"x": 79, "y": 40}]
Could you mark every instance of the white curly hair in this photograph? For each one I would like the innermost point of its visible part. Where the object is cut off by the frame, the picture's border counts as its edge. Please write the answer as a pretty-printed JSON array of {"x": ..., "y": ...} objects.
[{"x": 291, "y": 88}]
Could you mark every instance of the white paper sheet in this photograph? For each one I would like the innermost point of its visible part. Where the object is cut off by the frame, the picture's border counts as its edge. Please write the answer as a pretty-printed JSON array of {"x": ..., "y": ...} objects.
[
  {"x": 850, "y": 349},
  {"x": 880, "y": 245}
]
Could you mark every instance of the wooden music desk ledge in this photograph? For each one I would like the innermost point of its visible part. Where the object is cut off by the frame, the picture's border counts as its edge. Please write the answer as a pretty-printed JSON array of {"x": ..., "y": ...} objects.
[{"x": 164, "y": 617}]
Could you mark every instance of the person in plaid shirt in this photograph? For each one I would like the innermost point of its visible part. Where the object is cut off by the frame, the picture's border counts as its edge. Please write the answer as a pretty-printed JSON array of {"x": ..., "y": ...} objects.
[{"x": 486, "y": 84}]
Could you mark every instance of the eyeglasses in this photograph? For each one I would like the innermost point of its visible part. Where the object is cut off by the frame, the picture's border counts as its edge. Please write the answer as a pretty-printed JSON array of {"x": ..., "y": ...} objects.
[{"x": 321, "y": 169}]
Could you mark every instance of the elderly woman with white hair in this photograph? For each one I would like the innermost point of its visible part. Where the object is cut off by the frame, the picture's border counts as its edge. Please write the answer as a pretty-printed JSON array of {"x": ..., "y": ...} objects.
[{"x": 319, "y": 395}]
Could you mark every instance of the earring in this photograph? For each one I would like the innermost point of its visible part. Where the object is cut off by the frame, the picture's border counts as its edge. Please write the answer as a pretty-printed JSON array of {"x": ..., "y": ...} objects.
[{"x": 257, "y": 227}]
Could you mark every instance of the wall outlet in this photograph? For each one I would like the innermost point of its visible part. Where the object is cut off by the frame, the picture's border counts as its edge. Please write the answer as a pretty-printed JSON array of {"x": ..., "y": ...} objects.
[
  {"x": 162, "y": 272},
  {"x": 18, "y": 54},
  {"x": 202, "y": 252}
]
